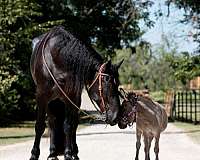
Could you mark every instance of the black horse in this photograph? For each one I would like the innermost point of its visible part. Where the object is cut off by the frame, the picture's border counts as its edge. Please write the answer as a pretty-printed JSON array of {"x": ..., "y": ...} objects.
[{"x": 61, "y": 65}]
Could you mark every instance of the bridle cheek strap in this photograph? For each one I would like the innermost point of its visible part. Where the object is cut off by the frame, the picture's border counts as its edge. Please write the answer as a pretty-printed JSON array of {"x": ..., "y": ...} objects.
[{"x": 99, "y": 76}]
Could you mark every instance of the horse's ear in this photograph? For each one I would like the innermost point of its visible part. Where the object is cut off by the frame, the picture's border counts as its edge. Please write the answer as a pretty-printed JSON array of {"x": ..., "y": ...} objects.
[
  {"x": 119, "y": 64},
  {"x": 108, "y": 63}
]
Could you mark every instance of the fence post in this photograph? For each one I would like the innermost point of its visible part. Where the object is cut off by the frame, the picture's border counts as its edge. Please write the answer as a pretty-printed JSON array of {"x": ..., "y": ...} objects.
[
  {"x": 178, "y": 105},
  {"x": 195, "y": 107},
  {"x": 191, "y": 106},
  {"x": 174, "y": 108},
  {"x": 186, "y": 105},
  {"x": 182, "y": 104}
]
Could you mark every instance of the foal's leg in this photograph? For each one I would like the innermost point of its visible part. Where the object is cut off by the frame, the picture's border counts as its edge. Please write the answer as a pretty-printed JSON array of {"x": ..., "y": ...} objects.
[
  {"x": 40, "y": 125},
  {"x": 156, "y": 148},
  {"x": 138, "y": 143},
  {"x": 147, "y": 145}
]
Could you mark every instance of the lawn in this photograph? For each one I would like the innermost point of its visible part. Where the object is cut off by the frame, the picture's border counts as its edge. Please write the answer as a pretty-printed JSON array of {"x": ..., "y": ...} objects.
[
  {"x": 193, "y": 131},
  {"x": 17, "y": 133},
  {"x": 21, "y": 132}
]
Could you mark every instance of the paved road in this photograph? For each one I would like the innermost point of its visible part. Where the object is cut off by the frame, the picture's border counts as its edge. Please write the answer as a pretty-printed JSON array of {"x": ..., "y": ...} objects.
[{"x": 98, "y": 142}]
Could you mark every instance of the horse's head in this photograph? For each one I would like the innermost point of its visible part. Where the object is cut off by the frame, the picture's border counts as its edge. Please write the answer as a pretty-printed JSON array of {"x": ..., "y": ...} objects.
[
  {"x": 104, "y": 91},
  {"x": 127, "y": 114}
]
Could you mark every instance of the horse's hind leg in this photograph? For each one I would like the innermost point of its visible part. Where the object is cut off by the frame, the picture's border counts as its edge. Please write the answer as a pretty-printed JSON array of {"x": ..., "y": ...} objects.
[
  {"x": 138, "y": 143},
  {"x": 39, "y": 126},
  {"x": 156, "y": 148}
]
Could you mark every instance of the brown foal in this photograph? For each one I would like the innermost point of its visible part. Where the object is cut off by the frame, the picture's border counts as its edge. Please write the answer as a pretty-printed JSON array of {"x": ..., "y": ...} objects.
[{"x": 151, "y": 120}]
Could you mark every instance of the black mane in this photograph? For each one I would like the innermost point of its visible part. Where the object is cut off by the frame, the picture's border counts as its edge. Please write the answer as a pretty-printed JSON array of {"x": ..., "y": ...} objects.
[
  {"x": 74, "y": 52},
  {"x": 80, "y": 59}
]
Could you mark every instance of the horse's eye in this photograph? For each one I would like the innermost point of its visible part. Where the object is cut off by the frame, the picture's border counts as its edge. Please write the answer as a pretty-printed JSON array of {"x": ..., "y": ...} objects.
[{"x": 106, "y": 78}]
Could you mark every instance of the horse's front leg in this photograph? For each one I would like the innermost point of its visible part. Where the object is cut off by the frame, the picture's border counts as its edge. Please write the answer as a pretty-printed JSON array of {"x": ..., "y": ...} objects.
[
  {"x": 39, "y": 126},
  {"x": 74, "y": 145},
  {"x": 56, "y": 121},
  {"x": 68, "y": 130}
]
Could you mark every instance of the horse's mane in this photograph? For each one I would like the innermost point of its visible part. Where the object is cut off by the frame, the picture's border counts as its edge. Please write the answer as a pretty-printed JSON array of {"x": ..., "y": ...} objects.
[{"x": 80, "y": 59}]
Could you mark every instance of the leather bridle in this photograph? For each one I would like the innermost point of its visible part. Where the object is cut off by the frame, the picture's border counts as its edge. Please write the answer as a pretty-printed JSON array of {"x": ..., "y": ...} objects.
[{"x": 99, "y": 76}]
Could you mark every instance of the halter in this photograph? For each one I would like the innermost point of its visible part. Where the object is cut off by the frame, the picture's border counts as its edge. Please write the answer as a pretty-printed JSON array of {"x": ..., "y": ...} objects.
[
  {"x": 99, "y": 77},
  {"x": 134, "y": 107}
]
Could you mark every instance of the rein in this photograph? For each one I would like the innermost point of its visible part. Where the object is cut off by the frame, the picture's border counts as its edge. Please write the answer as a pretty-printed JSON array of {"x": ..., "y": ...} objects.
[{"x": 65, "y": 95}]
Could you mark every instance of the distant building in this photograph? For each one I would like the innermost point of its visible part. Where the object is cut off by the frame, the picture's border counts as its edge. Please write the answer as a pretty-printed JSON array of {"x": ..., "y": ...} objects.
[{"x": 195, "y": 83}]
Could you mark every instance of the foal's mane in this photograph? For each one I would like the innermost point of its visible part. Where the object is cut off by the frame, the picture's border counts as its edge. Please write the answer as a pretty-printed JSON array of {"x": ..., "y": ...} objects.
[{"x": 139, "y": 96}]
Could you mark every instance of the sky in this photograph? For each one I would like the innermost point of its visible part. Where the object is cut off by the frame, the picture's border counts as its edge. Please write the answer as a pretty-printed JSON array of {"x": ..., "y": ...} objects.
[{"x": 171, "y": 27}]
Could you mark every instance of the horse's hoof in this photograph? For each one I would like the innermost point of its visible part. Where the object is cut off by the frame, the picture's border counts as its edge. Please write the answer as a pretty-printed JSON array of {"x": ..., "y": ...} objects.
[
  {"x": 33, "y": 157},
  {"x": 75, "y": 157},
  {"x": 52, "y": 158},
  {"x": 68, "y": 157}
]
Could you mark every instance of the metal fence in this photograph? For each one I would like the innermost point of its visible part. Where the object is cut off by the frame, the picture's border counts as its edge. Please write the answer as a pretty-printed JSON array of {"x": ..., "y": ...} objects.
[{"x": 187, "y": 106}]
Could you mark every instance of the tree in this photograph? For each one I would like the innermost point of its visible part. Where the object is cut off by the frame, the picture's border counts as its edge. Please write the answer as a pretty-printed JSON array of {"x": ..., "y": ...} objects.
[
  {"x": 105, "y": 24},
  {"x": 186, "y": 67},
  {"x": 149, "y": 69},
  {"x": 17, "y": 27},
  {"x": 192, "y": 15}
]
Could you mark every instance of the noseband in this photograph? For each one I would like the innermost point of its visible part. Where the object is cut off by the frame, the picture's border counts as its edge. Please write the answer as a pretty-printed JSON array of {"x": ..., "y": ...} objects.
[{"x": 99, "y": 76}]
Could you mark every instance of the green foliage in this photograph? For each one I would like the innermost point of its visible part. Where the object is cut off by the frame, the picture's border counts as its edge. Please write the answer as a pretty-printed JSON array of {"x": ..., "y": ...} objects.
[
  {"x": 17, "y": 27},
  {"x": 192, "y": 15},
  {"x": 148, "y": 69},
  {"x": 109, "y": 25},
  {"x": 186, "y": 67},
  {"x": 158, "y": 96}
]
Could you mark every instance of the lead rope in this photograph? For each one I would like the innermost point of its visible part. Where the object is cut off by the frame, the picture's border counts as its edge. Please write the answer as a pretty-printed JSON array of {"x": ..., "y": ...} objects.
[{"x": 55, "y": 81}]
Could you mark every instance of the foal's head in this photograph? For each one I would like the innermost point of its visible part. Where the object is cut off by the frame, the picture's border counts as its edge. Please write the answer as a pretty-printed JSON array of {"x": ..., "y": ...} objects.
[
  {"x": 127, "y": 113},
  {"x": 104, "y": 91}
]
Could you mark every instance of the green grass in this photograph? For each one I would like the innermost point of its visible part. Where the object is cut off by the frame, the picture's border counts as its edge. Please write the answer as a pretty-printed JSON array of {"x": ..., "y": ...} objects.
[
  {"x": 158, "y": 96},
  {"x": 17, "y": 133},
  {"x": 21, "y": 132},
  {"x": 193, "y": 131}
]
